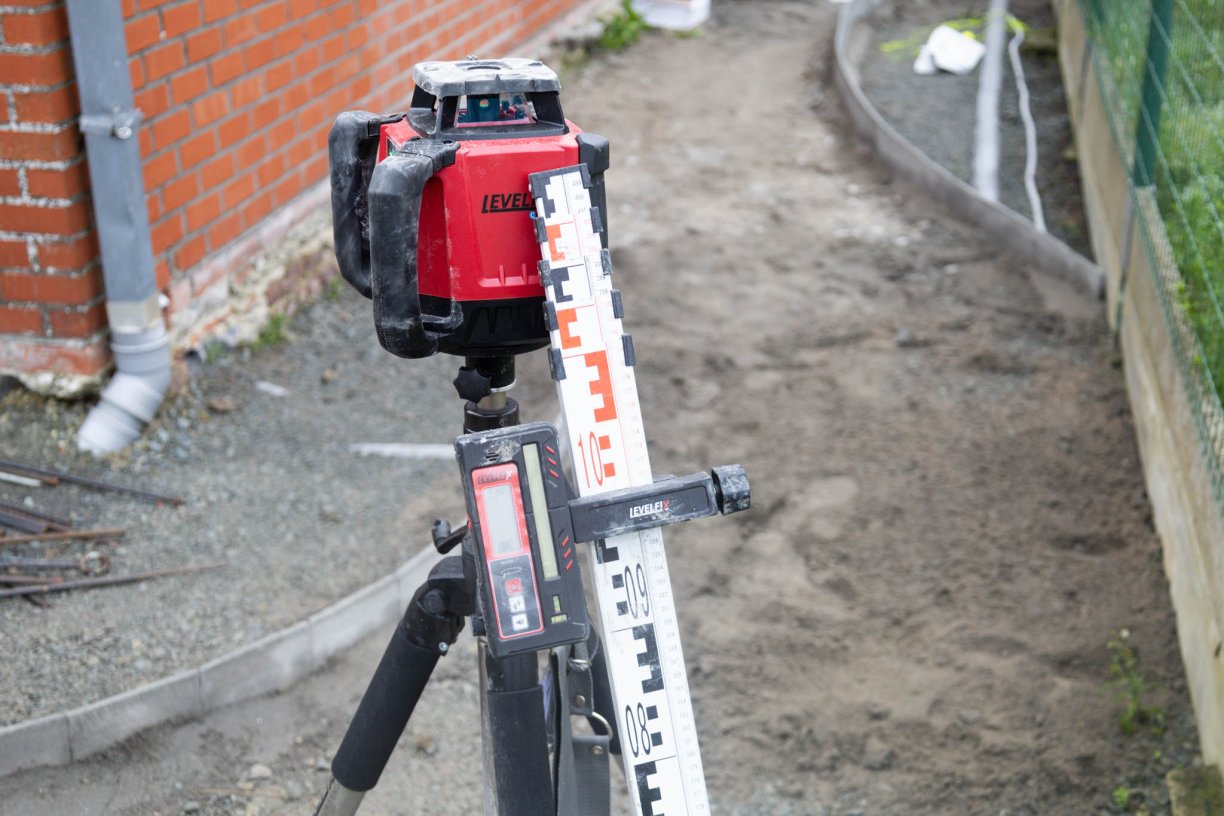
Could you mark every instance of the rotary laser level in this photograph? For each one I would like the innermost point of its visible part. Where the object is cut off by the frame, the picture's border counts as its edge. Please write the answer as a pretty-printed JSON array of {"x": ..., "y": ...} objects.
[{"x": 432, "y": 210}]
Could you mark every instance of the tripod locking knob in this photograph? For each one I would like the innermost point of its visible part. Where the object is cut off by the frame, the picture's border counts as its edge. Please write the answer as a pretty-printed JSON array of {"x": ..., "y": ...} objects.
[
  {"x": 473, "y": 384},
  {"x": 444, "y": 538}
]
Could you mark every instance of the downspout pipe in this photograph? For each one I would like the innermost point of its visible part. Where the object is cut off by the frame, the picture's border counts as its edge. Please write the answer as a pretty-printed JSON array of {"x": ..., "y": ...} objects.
[{"x": 138, "y": 331}]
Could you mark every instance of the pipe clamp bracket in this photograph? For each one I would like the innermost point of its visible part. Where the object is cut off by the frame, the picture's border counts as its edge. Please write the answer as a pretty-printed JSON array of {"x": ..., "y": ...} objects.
[{"x": 120, "y": 124}]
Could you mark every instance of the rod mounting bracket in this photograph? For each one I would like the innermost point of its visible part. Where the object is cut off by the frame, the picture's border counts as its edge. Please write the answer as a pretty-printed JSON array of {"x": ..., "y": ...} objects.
[{"x": 120, "y": 124}]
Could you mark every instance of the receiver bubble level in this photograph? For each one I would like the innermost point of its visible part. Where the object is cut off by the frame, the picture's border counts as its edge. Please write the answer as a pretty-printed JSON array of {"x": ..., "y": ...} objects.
[{"x": 539, "y": 510}]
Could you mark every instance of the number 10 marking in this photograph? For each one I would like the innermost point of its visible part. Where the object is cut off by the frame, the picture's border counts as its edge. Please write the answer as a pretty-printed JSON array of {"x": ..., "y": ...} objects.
[{"x": 595, "y": 465}]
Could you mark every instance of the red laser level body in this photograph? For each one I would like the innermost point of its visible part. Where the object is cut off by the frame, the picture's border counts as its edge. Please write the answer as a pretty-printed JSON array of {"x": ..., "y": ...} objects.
[{"x": 432, "y": 208}]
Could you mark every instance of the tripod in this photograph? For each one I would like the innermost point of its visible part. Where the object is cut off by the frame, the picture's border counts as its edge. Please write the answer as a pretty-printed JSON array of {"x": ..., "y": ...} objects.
[
  {"x": 535, "y": 761},
  {"x": 514, "y": 702}
]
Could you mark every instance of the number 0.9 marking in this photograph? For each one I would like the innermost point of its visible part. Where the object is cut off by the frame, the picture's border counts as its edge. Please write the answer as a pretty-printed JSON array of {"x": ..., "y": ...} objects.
[{"x": 637, "y": 592}]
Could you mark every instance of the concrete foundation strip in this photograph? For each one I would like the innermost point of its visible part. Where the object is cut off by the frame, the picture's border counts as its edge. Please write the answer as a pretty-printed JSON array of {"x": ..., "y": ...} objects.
[
  {"x": 267, "y": 665},
  {"x": 1010, "y": 229}
]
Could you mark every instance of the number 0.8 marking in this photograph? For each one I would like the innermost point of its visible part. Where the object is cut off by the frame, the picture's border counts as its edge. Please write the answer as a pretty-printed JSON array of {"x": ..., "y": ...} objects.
[{"x": 638, "y": 734}]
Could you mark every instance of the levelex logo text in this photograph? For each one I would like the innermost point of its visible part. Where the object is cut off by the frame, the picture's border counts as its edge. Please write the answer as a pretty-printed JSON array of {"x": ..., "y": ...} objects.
[
  {"x": 648, "y": 509},
  {"x": 506, "y": 202}
]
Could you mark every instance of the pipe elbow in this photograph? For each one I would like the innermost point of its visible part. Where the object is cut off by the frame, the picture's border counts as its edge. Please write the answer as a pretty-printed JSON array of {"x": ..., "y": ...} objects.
[{"x": 132, "y": 397}]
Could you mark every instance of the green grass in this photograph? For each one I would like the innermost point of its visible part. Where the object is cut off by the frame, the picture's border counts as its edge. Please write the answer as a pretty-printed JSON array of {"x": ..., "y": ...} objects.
[
  {"x": 273, "y": 333},
  {"x": 1189, "y": 169},
  {"x": 331, "y": 292},
  {"x": 1130, "y": 689},
  {"x": 622, "y": 29},
  {"x": 212, "y": 351}
]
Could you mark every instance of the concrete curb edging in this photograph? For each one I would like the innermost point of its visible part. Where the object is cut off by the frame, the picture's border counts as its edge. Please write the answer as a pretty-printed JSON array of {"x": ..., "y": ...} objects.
[
  {"x": 270, "y": 664},
  {"x": 1012, "y": 230}
]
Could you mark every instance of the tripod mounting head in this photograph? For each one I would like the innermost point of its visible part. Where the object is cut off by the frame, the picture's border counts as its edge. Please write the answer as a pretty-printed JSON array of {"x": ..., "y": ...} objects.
[{"x": 432, "y": 210}]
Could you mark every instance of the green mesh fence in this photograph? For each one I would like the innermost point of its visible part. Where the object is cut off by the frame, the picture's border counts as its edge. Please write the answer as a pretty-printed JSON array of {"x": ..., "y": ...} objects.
[{"x": 1161, "y": 70}]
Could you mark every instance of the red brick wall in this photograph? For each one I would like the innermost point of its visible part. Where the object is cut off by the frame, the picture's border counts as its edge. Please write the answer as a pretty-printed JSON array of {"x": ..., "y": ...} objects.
[
  {"x": 238, "y": 97},
  {"x": 50, "y": 282}
]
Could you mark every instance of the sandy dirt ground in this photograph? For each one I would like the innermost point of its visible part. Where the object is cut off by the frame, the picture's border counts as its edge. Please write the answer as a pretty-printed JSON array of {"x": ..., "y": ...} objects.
[{"x": 949, "y": 520}]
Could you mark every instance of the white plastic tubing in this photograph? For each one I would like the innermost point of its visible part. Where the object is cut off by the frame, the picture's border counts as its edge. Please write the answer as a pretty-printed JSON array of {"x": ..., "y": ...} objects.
[
  {"x": 986, "y": 131},
  {"x": 1030, "y": 132}
]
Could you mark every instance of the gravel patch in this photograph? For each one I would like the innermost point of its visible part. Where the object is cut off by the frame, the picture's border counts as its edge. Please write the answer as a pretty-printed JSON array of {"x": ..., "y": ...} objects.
[{"x": 271, "y": 489}]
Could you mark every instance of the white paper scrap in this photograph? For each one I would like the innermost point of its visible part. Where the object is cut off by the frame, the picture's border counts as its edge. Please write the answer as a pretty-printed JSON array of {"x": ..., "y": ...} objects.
[
  {"x": 423, "y": 450},
  {"x": 271, "y": 388},
  {"x": 953, "y": 51},
  {"x": 925, "y": 63}
]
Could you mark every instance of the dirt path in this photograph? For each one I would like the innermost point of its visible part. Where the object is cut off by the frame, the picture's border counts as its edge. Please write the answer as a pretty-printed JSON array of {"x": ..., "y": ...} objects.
[{"x": 949, "y": 519}]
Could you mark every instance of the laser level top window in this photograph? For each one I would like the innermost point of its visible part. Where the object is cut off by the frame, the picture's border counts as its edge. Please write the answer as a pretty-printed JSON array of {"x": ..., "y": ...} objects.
[{"x": 495, "y": 109}]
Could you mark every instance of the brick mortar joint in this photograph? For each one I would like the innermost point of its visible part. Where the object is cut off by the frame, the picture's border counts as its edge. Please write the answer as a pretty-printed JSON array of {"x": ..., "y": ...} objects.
[
  {"x": 26, "y": 87},
  {"x": 51, "y": 5},
  {"x": 33, "y": 49},
  {"x": 41, "y": 201},
  {"x": 38, "y": 128},
  {"x": 48, "y": 239},
  {"x": 57, "y": 86},
  {"x": 40, "y": 164},
  {"x": 72, "y": 274}
]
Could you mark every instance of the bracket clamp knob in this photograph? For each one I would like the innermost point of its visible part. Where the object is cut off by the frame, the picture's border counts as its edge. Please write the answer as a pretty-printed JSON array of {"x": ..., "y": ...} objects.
[{"x": 731, "y": 489}]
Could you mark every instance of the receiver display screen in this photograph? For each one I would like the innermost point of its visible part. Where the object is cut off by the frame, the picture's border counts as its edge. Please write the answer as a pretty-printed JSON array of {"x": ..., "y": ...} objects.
[{"x": 503, "y": 528}]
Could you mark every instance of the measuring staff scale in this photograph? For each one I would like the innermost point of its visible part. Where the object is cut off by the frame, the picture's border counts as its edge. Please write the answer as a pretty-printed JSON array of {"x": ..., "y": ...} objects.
[{"x": 475, "y": 223}]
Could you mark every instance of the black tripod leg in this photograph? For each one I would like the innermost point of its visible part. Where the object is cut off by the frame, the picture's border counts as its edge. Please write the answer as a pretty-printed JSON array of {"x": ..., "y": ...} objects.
[
  {"x": 431, "y": 620},
  {"x": 523, "y": 778}
]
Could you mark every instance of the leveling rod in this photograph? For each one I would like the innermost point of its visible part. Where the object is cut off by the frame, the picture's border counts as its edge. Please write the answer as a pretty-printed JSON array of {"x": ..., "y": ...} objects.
[{"x": 592, "y": 361}]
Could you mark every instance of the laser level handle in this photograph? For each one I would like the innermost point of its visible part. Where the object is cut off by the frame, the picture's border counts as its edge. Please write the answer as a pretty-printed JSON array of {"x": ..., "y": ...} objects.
[
  {"x": 352, "y": 151},
  {"x": 396, "y": 187}
]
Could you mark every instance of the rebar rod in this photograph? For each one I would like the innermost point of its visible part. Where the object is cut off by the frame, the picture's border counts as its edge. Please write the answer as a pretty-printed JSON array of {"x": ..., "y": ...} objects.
[
  {"x": 30, "y": 580},
  {"x": 63, "y": 535},
  {"x": 23, "y": 522},
  {"x": 109, "y": 580},
  {"x": 88, "y": 482},
  {"x": 22, "y": 510},
  {"x": 19, "y": 470}
]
